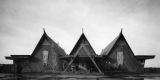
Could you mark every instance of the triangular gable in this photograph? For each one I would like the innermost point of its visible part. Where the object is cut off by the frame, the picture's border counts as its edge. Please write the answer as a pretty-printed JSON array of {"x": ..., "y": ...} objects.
[
  {"x": 130, "y": 64},
  {"x": 83, "y": 49},
  {"x": 106, "y": 51},
  {"x": 83, "y": 40},
  {"x": 88, "y": 55},
  {"x": 46, "y": 40}
]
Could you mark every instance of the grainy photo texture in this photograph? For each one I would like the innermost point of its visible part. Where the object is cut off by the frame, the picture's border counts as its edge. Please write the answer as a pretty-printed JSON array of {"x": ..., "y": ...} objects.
[{"x": 80, "y": 39}]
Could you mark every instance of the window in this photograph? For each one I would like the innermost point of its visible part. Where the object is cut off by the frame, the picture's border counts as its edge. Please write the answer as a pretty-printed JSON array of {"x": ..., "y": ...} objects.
[
  {"x": 45, "y": 56},
  {"x": 119, "y": 58}
]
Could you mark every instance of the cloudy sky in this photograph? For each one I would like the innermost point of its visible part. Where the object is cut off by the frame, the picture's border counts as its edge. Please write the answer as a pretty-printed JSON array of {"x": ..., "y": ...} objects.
[{"x": 22, "y": 23}]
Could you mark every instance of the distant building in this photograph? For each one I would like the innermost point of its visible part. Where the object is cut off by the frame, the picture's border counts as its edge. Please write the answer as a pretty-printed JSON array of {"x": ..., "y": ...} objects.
[{"x": 48, "y": 56}]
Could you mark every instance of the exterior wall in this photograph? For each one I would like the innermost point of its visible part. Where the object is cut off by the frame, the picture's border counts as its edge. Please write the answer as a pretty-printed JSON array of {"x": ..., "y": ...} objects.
[
  {"x": 130, "y": 64},
  {"x": 82, "y": 62},
  {"x": 36, "y": 61},
  {"x": 53, "y": 63},
  {"x": 142, "y": 61},
  {"x": 22, "y": 66},
  {"x": 7, "y": 68},
  {"x": 82, "y": 53}
]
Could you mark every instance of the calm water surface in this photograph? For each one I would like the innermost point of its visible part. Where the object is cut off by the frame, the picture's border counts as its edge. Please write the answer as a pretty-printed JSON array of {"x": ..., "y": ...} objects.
[{"x": 79, "y": 77}]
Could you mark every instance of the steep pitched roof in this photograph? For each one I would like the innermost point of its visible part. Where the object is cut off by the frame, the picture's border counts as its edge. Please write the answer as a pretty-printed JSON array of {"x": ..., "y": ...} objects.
[
  {"x": 83, "y": 40},
  {"x": 55, "y": 46},
  {"x": 83, "y": 49},
  {"x": 108, "y": 49}
]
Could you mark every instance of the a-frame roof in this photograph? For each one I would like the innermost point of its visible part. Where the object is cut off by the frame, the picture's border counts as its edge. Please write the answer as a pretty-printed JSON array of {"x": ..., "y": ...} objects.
[
  {"x": 44, "y": 37},
  {"x": 82, "y": 40},
  {"x": 84, "y": 50},
  {"x": 55, "y": 46},
  {"x": 106, "y": 51}
]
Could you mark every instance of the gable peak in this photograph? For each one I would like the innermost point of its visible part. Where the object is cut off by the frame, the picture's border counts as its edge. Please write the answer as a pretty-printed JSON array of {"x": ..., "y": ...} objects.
[
  {"x": 121, "y": 30},
  {"x": 82, "y": 31},
  {"x": 44, "y": 31}
]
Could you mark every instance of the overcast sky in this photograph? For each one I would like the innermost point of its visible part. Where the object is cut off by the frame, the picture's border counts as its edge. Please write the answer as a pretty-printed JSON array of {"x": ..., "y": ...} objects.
[{"x": 22, "y": 22}]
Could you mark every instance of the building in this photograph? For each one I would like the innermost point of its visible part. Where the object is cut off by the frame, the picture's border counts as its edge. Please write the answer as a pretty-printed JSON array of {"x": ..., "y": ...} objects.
[
  {"x": 45, "y": 57},
  {"x": 120, "y": 57},
  {"x": 48, "y": 56},
  {"x": 82, "y": 58}
]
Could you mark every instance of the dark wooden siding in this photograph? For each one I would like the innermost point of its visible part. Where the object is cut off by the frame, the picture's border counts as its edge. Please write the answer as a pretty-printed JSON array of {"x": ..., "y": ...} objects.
[
  {"x": 130, "y": 63},
  {"x": 36, "y": 64}
]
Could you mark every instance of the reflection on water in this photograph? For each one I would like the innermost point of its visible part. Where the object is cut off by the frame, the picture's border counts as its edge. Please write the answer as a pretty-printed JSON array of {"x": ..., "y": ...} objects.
[{"x": 78, "y": 77}]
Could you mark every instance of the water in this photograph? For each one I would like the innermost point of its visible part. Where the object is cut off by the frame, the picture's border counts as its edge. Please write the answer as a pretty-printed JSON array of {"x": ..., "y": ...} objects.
[{"x": 79, "y": 77}]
